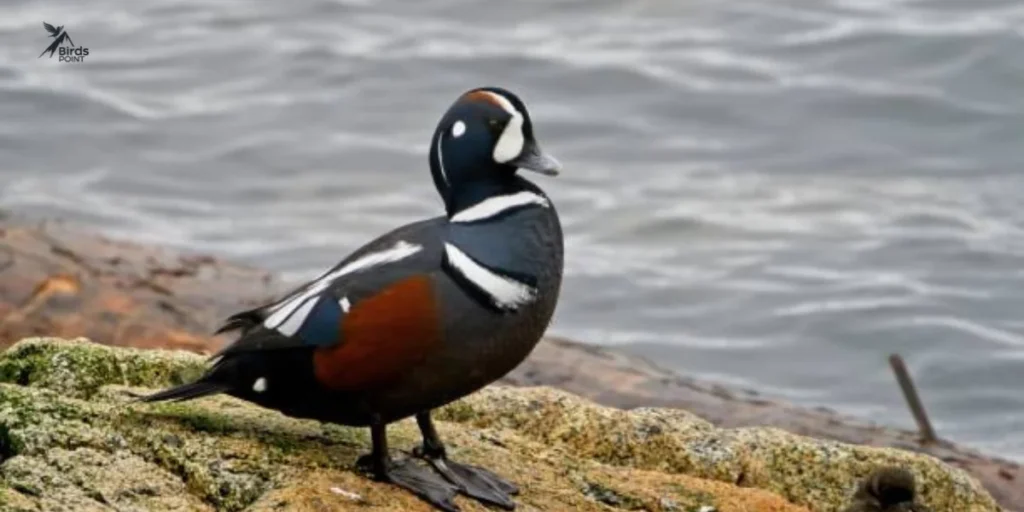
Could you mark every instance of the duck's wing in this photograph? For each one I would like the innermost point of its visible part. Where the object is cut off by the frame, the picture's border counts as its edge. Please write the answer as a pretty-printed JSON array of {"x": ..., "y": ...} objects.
[
  {"x": 378, "y": 286},
  {"x": 371, "y": 317}
]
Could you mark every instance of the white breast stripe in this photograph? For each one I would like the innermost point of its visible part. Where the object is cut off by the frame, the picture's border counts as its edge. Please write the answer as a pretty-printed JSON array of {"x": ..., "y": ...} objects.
[
  {"x": 495, "y": 205},
  {"x": 287, "y": 306},
  {"x": 507, "y": 293}
]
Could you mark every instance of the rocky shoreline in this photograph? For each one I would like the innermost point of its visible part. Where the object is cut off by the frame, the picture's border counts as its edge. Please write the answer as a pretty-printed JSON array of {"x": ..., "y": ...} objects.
[
  {"x": 72, "y": 438},
  {"x": 56, "y": 280}
]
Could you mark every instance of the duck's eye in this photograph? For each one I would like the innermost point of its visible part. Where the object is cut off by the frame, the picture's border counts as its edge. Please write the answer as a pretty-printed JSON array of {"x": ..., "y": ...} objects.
[{"x": 494, "y": 125}]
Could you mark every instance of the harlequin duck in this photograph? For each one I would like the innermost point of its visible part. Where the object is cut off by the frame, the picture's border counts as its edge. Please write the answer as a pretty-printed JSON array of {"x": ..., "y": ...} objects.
[{"x": 421, "y": 316}]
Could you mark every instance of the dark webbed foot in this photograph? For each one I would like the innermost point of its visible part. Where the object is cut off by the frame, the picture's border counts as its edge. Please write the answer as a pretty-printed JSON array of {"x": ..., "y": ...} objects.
[
  {"x": 417, "y": 479},
  {"x": 407, "y": 474},
  {"x": 476, "y": 482}
]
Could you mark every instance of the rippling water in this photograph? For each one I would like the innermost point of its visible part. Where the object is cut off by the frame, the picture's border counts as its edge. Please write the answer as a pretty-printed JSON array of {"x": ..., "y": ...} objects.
[{"x": 773, "y": 193}]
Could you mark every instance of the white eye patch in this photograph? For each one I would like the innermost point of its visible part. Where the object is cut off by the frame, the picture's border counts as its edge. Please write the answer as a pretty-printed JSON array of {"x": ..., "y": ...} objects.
[
  {"x": 458, "y": 129},
  {"x": 510, "y": 143}
]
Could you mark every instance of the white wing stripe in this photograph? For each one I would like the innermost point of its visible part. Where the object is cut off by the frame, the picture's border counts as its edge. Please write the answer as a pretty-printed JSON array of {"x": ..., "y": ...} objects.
[
  {"x": 284, "y": 309},
  {"x": 294, "y": 322},
  {"x": 288, "y": 307},
  {"x": 495, "y": 205},
  {"x": 507, "y": 293},
  {"x": 399, "y": 251}
]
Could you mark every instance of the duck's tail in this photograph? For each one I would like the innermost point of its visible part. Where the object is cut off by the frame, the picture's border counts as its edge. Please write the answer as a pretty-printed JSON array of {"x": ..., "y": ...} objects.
[{"x": 188, "y": 391}]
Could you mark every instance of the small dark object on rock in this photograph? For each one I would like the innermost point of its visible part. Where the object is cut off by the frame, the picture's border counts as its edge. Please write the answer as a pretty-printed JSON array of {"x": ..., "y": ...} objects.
[{"x": 887, "y": 489}]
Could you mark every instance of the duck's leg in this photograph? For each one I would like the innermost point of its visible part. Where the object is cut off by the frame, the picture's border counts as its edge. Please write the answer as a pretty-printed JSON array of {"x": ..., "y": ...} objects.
[
  {"x": 406, "y": 473},
  {"x": 475, "y": 482}
]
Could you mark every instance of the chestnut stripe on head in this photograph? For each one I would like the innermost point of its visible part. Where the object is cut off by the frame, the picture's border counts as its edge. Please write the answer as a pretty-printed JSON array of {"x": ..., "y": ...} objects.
[{"x": 489, "y": 97}]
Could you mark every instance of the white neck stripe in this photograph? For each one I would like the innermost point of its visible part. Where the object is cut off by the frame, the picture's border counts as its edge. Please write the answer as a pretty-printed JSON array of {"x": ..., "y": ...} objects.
[
  {"x": 506, "y": 293},
  {"x": 440, "y": 159},
  {"x": 494, "y": 206}
]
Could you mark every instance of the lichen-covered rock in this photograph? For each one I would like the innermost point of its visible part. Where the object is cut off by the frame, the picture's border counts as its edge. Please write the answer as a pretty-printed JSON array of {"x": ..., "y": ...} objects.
[
  {"x": 72, "y": 439},
  {"x": 78, "y": 367},
  {"x": 815, "y": 473}
]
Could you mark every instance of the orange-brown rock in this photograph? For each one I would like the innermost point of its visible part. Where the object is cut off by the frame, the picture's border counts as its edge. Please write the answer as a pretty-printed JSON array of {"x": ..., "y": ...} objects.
[{"x": 58, "y": 281}]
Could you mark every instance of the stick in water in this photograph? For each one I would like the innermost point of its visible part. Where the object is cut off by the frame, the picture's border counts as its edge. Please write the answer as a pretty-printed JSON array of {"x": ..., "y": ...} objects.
[{"x": 913, "y": 400}]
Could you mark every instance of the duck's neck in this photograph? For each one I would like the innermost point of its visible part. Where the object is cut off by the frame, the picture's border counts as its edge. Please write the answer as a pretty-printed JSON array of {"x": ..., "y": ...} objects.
[
  {"x": 461, "y": 194},
  {"x": 465, "y": 195}
]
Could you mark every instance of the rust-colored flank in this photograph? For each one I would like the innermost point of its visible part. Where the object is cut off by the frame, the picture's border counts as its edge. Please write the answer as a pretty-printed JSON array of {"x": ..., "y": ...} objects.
[{"x": 382, "y": 336}]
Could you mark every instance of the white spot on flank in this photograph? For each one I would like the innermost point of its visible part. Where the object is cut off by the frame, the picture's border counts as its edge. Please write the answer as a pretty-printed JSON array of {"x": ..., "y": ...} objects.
[
  {"x": 288, "y": 317},
  {"x": 507, "y": 293},
  {"x": 495, "y": 205},
  {"x": 458, "y": 129},
  {"x": 345, "y": 304},
  {"x": 260, "y": 385}
]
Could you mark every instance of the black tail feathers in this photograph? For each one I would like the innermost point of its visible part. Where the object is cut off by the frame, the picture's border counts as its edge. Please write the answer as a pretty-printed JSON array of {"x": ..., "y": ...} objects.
[{"x": 186, "y": 392}]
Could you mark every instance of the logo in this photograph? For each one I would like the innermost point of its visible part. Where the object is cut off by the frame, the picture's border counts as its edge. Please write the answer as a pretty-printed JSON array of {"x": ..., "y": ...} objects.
[{"x": 63, "y": 46}]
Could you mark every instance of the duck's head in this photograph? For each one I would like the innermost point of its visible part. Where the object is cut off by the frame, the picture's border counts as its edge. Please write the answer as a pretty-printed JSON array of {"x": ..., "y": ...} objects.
[{"x": 480, "y": 143}]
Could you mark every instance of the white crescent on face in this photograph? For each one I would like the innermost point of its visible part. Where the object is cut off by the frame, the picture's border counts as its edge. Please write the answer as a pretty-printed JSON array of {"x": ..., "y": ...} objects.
[{"x": 510, "y": 143}]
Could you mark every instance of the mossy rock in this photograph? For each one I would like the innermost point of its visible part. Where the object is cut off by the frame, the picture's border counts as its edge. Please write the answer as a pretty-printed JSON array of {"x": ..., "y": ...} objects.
[
  {"x": 79, "y": 367},
  {"x": 72, "y": 439}
]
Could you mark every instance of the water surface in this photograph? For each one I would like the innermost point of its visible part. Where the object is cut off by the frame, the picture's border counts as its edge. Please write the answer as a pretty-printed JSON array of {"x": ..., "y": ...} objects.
[{"x": 771, "y": 193}]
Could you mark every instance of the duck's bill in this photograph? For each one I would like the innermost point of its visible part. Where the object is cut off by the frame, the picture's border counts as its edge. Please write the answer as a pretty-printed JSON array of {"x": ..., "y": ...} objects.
[{"x": 535, "y": 159}]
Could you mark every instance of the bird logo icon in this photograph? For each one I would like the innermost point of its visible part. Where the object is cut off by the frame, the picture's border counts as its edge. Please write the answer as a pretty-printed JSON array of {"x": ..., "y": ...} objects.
[
  {"x": 59, "y": 35},
  {"x": 63, "y": 45}
]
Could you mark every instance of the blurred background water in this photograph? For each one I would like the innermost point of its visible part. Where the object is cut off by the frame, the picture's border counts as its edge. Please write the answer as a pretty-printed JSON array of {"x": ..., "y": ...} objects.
[{"x": 770, "y": 193}]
